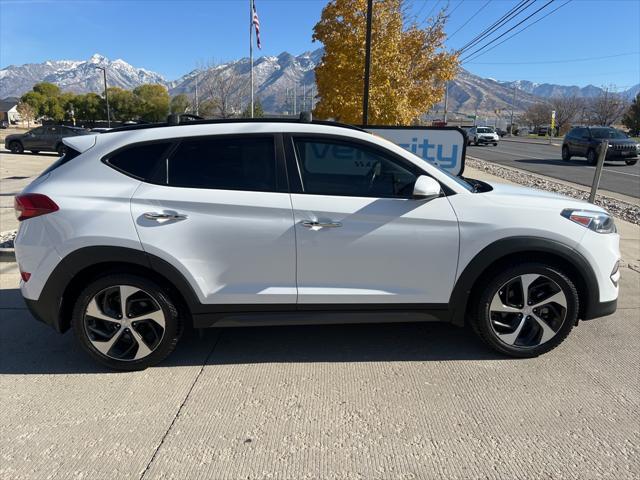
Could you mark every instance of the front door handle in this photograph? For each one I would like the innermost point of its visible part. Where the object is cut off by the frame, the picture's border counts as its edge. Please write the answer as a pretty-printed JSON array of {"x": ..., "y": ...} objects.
[
  {"x": 164, "y": 216},
  {"x": 315, "y": 224}
]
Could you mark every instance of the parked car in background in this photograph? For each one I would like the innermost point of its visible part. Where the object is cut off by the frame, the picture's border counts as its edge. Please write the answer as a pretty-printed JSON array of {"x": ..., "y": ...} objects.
[
  {"x": 134, "y": 234},
  {"x": 483, "y": 136},
  {"x": 4, "y": 124},
  {"x": 585, "y": 142},
  {"x": 47, "y": 138},
  {"x": 501, "y": 132},
  {"x": 522, "y": 131}
]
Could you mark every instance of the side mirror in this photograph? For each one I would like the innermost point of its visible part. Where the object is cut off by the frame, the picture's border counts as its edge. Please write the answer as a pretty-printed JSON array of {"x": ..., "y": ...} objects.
[{"x": 426, "y": 188}]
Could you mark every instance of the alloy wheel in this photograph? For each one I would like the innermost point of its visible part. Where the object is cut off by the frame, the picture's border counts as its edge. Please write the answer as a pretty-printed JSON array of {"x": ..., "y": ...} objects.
[
  {"x": 528, "y": 310},
  {"x": 124, "y": 323}
]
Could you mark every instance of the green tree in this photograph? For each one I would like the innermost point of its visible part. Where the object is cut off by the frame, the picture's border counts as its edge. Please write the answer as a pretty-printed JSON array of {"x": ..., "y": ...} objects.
[
  {"x": 153, "y": 102},
  {"x": 123, "y": 104},
  {"x": 47, "y": 89},
  {"x": 409, "y": 64},
  {"x": 52, "y": 109},
  {"x": 631, "y": 118},
  {"x": 258, "y": 111},
  {"x": 180, "y": 103},
  {"x": 36, "y": 101},
  {"x": 90, "y": 107},
  {"x": 67, "y": 102}
]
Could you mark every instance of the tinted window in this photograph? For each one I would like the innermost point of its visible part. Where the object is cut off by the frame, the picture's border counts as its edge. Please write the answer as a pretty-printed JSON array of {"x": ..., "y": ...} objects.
[
  {"x": 53, "y": 130},
  {"x": 340, "y": 168},
  {"x": 231, "y": 163},
  {"x": 602, "y": 133},
  {"x": 37, "y": 131},
  {"x": 140, "y": 161}
]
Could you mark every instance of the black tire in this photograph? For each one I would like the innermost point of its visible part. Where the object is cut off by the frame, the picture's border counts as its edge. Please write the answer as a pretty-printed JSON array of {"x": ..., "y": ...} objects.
[
  {"x": 631, "y": 162},
  {"x": 495, "y": 144},
  {"x": 16, "y": 147},
  {"x": 592, "y": 157},
  {"x": 81, "y": 322},
  {"x": 566, "y": 153},
  {"x": 61, "y": 149},
  {"x": 484, "y": 325},
  {"x": 35, "y": 152},
  {"x": 475, "y": 142}
]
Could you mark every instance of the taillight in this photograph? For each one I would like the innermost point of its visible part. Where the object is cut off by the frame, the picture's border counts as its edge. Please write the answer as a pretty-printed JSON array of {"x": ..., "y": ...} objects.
[{"x": 32, "y": 205}]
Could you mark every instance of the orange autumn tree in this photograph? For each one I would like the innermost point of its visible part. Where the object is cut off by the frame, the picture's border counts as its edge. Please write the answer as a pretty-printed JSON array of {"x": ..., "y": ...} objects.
[{"x": 409, "y": 65}]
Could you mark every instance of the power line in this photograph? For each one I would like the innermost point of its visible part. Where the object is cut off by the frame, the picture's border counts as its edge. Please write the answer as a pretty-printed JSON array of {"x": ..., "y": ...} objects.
[
  {"x": 503, "y": 34},
  {"x": 571, "y": 60},
  {"x": 524, "y": 4},
  {"x": 518, "y": 32},
  {"x": 470, "y": 18}
]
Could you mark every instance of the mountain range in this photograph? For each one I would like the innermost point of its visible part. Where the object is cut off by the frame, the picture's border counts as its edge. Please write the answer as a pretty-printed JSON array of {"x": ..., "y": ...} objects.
[{"x": 276, "y": 80}]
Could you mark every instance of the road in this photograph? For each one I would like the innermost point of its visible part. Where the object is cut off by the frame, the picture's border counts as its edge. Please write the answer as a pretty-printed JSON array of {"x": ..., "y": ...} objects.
[{"x": 546, "y": 160}]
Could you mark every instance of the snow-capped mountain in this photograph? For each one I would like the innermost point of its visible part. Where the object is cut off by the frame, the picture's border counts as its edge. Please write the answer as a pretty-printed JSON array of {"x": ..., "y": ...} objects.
[
  {"x": 74, "y": 75},
  {"x": 276, "y": 80}
]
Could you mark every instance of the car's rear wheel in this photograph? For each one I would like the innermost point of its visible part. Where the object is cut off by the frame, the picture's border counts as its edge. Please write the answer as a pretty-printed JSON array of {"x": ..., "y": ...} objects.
[
  {"x": 592, "y": 158},
  {"x": 566, "y": 154},
  {"x": 526, "y": 309},
  {"x": 631, "y": 162},
  {"x": 61, "y": 149},
  {"x": 495, "y": 144},
  {"x": 126, "y": 322},
  {"x": 16, "y": 147}
]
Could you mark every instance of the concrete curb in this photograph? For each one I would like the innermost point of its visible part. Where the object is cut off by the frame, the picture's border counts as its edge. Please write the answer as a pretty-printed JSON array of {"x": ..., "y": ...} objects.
[
  {"x": 531, "y": 142},
  {"x": 7, "y": 255}
]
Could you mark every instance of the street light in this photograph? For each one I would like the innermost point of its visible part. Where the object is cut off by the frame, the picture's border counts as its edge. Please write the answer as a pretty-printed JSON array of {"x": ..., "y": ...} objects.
[{"x": 106, "y": 95}]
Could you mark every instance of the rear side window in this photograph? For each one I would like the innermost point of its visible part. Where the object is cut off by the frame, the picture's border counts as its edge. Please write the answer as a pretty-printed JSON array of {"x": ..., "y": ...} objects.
[
  {"x": 140, "y": 161},
  {"x": 231, "y": 163}
]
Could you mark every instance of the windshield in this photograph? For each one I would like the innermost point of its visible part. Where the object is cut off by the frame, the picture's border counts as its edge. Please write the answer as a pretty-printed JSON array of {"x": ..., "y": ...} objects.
[
  {"x": 485, "y": 130},
  {"x": 607, "y": 133}
]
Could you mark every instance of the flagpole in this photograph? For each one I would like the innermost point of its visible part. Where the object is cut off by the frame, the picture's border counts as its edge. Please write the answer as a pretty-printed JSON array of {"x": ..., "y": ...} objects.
[{"x": 251, "y": 49}]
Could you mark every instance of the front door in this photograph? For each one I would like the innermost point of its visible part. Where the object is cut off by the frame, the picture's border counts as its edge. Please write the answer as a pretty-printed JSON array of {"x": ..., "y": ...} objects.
[
  {"x": 361, "y": 238},
  {"x": 220, "y": 213}
]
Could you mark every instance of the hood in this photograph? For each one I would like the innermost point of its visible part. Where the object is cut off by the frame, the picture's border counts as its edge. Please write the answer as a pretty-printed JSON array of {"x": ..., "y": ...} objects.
[
  {"x": 514, "y": 195},
  {"x": 622, "y": 141},
  {"x": 13, "y": 136}
]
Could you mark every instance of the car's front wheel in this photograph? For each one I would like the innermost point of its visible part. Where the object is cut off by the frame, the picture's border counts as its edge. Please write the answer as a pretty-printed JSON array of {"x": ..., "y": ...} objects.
[
  {"x": 126, "y": 322},
  {"x": 16, "y": 147},
  {"x": 566, "y": 154},
  {"x": 526, "y": 309},
  {"x": 35, "y": 152},
  {"x": 61, "y": 149},
  {"x": 592, "y": 157}
]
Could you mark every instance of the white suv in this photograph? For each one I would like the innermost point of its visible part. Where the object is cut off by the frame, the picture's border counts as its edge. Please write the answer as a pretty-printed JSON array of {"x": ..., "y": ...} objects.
[
  {"x": 137, "y": 232},
  {"x": 483, "y": 135}
]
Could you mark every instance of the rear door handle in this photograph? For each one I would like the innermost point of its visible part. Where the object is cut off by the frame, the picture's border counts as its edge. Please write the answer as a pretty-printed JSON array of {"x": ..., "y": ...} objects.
[
  {"x": 315, "y": 224},
  {"x": 164, "y": 216}
]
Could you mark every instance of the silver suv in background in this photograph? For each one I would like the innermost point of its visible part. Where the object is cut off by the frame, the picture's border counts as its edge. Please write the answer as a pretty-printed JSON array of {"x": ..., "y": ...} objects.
[{"x": 482, "y": 136}]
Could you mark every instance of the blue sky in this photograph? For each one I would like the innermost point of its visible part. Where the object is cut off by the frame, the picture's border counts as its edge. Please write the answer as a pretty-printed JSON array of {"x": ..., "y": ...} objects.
[{"x": 173, "y": 36}]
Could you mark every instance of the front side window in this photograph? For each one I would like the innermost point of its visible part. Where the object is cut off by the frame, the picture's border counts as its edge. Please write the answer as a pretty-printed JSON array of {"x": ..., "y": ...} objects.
[
  {"x": 231, "y": 163},
  {"x": 37, "y": 131},
  {"x": 330, "y": 167}
]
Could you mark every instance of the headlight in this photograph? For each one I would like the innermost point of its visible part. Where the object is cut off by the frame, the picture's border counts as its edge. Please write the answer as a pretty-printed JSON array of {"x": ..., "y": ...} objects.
[{"x": 599, "y": 222}]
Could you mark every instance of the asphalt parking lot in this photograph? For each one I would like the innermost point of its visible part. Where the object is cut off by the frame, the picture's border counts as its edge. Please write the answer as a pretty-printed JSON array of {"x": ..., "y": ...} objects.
[
  {"x": 546, "y": 160},
  {"x": 405, "y": 401}
]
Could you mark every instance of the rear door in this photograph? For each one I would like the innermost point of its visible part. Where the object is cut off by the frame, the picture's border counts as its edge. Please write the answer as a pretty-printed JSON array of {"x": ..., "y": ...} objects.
[
  {"x": 361, "y": 237},
  {"x": 218, "y": 209}
]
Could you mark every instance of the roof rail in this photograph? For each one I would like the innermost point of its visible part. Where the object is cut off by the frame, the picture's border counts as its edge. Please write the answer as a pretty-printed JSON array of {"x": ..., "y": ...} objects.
[{"x": 184, "y": 119}]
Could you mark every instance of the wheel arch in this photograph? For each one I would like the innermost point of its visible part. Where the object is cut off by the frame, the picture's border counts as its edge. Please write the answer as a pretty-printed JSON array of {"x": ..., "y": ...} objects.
[
  {"x": 508, "y": 250},
  {"x": 72, "y": 274}
]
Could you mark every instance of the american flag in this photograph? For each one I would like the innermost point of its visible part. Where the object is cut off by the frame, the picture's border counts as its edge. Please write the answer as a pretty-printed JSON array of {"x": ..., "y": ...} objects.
[{"x": 256, "y": 23}]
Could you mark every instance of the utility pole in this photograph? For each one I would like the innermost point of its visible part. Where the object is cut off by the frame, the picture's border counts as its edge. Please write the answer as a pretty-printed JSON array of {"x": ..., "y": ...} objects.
[
  {"x": 106, "y": 95},
  {"x": 446, "y": 101},
  {"x": 513, "y": 103},
  {"x": 367, "y": 65}
]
